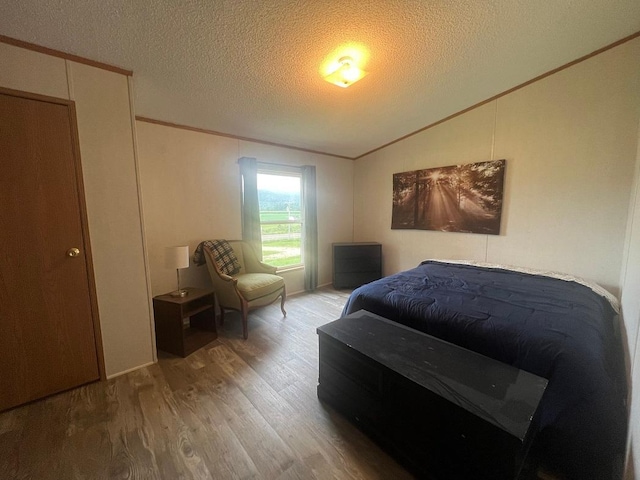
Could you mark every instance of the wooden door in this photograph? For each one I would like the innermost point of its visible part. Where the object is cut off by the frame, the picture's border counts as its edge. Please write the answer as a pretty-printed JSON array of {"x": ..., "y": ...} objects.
[{"x": 48, "y": 339}]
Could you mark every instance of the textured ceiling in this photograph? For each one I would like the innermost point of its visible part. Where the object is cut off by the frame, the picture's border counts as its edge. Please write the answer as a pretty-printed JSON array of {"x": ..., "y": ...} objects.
[{"x": 254, "y": 68}]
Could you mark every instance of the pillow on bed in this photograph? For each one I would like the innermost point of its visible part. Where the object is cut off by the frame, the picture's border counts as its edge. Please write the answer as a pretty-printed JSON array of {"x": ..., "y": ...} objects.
[{"x": 225, "y": 257}]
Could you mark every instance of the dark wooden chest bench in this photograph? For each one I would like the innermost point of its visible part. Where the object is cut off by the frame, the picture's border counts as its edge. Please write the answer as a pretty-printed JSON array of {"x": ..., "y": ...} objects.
[{"x": 443, "y": 411}]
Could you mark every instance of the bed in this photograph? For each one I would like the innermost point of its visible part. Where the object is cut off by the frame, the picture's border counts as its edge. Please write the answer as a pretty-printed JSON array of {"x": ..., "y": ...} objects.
[{"x": 558, "y": 327}]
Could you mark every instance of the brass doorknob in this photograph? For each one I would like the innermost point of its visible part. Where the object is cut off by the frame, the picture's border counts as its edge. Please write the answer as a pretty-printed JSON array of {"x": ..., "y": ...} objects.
[{"x": 73, "y": 252}]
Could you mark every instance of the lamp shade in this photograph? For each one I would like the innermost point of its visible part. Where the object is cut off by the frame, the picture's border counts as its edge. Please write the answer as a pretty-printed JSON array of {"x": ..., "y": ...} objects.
[{"x": 176, "y": 257}]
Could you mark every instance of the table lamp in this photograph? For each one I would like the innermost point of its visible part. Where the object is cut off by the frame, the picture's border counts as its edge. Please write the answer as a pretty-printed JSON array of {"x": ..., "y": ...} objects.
[{"x": 177, "y": 257}]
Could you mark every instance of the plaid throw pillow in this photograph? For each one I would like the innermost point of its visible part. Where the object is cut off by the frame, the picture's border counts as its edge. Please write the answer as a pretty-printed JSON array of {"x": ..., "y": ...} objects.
[{"x": 225, "y": 257}]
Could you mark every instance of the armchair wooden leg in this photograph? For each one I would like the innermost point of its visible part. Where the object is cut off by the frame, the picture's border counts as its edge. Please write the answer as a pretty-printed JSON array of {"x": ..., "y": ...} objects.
[
  {"x": 221, "y": 316},
  {"x": 283, "y": 297}
]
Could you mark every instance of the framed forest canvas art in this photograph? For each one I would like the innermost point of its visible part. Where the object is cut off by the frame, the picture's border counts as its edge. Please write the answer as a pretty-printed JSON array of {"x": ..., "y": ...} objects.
[{"x": 458, "y": 198}]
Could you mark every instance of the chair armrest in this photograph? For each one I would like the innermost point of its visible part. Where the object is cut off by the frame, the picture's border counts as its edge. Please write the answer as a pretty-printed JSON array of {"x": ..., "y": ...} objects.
[
  {"x": 223, "y": 276},
  {"x": 252, "y": 264},
  {"x": 226, "y": 278},
  {"x": 266, "y": 268},
  {"x": 216, "y": 275}
]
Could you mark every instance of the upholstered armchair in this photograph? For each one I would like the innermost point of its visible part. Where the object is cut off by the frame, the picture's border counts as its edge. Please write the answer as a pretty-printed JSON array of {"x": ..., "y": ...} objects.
[{"x": 241, "y": 281}]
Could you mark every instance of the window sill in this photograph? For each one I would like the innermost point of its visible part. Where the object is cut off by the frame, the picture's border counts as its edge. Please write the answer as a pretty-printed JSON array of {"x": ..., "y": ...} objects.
[{"x": 292, "y": 268}]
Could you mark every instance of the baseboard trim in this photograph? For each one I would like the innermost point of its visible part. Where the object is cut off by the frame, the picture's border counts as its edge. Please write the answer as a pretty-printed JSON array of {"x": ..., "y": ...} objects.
[{"x": 124, "y": 372}]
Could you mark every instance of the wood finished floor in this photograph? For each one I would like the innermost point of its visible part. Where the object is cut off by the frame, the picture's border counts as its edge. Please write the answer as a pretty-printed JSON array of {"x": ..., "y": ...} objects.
[{"x": 234, "y": 409}]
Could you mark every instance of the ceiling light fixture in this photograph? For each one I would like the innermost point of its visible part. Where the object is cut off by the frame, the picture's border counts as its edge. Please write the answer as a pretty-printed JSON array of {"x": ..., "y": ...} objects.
[{"x": 346, "y": 74}]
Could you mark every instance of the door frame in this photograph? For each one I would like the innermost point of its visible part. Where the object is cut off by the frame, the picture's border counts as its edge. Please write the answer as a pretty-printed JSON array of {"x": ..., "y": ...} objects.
[{"x": 86, "y": 243}]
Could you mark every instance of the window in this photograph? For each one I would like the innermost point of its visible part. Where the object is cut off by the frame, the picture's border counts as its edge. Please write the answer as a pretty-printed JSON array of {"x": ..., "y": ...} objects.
[{"x": 280, "y": 200}]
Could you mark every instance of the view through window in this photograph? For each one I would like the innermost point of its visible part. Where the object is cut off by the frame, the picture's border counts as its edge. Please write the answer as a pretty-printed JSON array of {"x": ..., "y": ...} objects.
[{"x": 280, "y": 199}]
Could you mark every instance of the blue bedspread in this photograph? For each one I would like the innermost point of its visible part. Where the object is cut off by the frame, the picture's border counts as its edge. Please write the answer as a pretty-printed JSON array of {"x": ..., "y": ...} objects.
[{"x": 556, "y": 329}]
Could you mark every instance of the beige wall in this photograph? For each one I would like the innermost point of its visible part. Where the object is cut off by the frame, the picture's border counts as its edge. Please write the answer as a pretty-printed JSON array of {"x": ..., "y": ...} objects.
[
  {"x": 108, "y": 164},
  {"x": 570, "y": 145},
  {"x": 191, "y": 192}
]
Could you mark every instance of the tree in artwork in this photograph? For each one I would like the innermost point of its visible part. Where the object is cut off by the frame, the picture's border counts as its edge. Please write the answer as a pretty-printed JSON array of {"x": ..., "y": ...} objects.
[{"x": 460, "y": 198}]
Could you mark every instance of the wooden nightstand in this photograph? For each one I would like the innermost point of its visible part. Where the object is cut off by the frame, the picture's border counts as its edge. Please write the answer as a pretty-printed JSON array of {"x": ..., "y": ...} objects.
[{"x": 185, "y": 324}]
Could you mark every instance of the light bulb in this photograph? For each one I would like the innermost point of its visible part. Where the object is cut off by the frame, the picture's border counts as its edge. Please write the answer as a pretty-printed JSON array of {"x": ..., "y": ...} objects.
[{"x": 346, "y": 74}]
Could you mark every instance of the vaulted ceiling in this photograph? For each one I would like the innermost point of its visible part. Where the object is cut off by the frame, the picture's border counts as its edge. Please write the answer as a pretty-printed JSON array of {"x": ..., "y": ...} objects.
[{"x": 254, "y": 68}]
